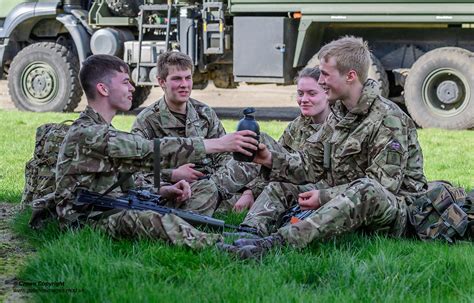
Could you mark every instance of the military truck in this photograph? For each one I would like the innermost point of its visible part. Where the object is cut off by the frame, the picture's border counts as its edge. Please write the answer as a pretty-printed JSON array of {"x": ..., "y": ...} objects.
[{"x": 421, "y": 50}]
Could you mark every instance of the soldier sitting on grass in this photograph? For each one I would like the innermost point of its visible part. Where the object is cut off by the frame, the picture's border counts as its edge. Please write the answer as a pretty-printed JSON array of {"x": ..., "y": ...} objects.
[
  {"x": 275, "y": 198},
  {"x": 93, "y": 154},
  {"x": 367, "y": 152},
  {"x": 214, "y": 178}
]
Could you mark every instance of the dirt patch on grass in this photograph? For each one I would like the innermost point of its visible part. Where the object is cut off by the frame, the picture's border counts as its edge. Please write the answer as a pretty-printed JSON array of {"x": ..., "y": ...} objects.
[{"x": 13, "y": 254}]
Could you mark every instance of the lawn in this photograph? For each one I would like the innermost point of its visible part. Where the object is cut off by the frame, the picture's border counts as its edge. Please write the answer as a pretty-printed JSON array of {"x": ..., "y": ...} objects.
[{"x": 87, "y": 266}]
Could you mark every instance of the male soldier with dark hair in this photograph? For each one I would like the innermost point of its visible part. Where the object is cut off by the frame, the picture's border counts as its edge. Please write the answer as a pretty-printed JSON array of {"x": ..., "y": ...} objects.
[
  {"x": 367, "y": 152},
  {"x": 214, "y": 178},
  {"x": 93, "y": 154}
]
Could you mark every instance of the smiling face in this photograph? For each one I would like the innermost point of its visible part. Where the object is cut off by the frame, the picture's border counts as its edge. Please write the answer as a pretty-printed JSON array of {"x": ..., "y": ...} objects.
[
  {"x": 120, "y": 91},
  {"x": 311, "y": 97},
  {"x": 177, "y": 86},
  {"x": 332, "y": 81}
]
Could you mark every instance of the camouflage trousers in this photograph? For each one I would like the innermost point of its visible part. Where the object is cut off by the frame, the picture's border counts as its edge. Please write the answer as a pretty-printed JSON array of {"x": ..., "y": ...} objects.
[
  {"x": 364, "y": 203},
  {"x": 204, "y": 195},
  {"x": 204, "y": 198},
  {"x": 231, "y": 178},
  {"x": 134, "y": 224},
  {"x": 275, "y": 199}
]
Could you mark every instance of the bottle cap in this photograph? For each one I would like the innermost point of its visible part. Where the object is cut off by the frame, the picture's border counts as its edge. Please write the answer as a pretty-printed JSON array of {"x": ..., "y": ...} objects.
[{"x": 249, "y": 110}]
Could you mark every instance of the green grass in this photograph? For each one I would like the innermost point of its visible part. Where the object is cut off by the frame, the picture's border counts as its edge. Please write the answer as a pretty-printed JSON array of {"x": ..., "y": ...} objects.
[{"x": 354, "y": 268}]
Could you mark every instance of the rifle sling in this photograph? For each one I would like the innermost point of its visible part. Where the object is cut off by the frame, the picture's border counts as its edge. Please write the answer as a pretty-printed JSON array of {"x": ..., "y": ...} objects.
[
  {"x": 156, "y": 164},
  {"x": 122, "y": 178}
]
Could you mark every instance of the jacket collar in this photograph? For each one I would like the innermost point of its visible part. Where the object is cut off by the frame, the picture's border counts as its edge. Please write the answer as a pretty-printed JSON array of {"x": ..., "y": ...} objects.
[
  {"x": 92, "y": 114},
  {"x": 370, "y": 92},
  {"x": 170, "y": 121},
  {"x": 307, "y": 122}
]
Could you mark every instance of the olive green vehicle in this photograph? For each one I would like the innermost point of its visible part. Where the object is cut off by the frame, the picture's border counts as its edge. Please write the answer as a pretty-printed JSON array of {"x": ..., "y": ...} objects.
[{"x": 421, "y": 50}]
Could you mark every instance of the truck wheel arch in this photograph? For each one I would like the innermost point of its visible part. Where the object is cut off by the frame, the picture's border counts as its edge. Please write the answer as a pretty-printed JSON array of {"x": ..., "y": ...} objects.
[{"x": 79, "y": 35}]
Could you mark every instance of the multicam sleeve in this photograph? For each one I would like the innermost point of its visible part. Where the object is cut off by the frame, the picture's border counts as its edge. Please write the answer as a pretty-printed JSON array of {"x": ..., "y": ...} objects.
[
  {"x": 166, "y": 174},
  {"x": 287, "y": 138},
  {"x": 216, "y": 130},
  {"x": 298, "y": 168},
  {"x": 179, "y": 151},
  {"x": 140, "y": 127},
  {"x": 257, "y": 186},
  {"x": 327, "y": 194},
  {"x": 125, "y": 147}
]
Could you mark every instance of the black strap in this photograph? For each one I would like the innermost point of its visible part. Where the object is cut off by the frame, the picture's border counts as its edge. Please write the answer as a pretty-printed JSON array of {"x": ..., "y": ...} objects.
[
  {"x": 122, "y": 178},
  {"x": 156, "y": 164}
]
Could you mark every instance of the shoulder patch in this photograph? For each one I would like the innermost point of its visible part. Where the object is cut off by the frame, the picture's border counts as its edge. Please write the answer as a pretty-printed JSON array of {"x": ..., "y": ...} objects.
[{"x": 395, "y": 145}]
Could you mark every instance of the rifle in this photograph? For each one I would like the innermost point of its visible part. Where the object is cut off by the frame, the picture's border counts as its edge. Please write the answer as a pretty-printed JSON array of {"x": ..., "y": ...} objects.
[{"x": 145, "y": 200}]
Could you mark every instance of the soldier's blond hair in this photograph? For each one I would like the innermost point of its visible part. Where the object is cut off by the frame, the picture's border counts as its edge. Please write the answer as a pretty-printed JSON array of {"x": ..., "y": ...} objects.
[
  {"x": 350, "y": 53},
  {"x": 172, "y": 58}
]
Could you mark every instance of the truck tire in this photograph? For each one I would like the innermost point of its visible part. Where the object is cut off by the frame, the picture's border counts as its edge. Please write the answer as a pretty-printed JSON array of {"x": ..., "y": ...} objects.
[
  {"x": 376, "y": 72},
  {"x": 439, "y": 89},
  {"x": 200, "y": 80},
  {"x": 124, "y": 8},
  {"x": 44, "y": 77},
  {"x": 223, "y": 77},
  {"x": 140, "y": 95}
]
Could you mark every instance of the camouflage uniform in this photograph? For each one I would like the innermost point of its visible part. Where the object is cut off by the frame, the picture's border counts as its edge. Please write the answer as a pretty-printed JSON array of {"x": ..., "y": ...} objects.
[
  {"x": 373, "y": 165},
  {"x": 92, "y": 155},
  {"x": 227, "y": 176},
  {"x": 274, "y": 198}
]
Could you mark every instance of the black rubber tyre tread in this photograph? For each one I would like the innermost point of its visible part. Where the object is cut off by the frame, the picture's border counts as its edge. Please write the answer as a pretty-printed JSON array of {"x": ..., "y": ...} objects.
[
  {"x": 140, "y": 95},
  {"x": 124, "y": 8},
  {"x": 453, "y": 57},
  {"x": 200, "y": 80},
  {"x": 200, "y": 85},
  {"x": 377, "y": 72},
  {"x": 224, "y": 77},
  {"x": 67, "y": 63}
]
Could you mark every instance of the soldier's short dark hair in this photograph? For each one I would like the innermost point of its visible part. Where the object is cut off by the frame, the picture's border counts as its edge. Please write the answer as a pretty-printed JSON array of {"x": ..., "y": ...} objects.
[
  {"x": 99, "y": 69},
  {"x": 173, "y": 58},
  {"x": 308, "y": 72},
  {"x": 350, "y": 53}
]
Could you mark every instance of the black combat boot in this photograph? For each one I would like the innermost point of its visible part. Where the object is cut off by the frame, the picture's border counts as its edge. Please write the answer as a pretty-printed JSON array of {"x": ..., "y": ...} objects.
[{"x": 256, "y": 249}]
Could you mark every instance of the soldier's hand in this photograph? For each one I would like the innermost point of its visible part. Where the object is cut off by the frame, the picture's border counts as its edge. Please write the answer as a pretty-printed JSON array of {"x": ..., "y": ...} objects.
[
  {"x": 245, "y": 201},
  {"x": 186, "y": 172},
  {"x": 263, "y": 156},
  {"x": 309, "y": 200},
  {"x": 241, "y": 141},
  {"x": 180, "y": 192}
]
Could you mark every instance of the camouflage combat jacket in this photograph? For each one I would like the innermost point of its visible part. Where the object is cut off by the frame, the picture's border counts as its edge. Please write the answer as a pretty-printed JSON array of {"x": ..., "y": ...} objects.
[
  {"x": 375, "y": 140},
  {"x": 157, "y": 121},
  {"x": 297, "y": 132},
  {"x": 293, "y": 140},
  {"x": 93, "y": 154}
]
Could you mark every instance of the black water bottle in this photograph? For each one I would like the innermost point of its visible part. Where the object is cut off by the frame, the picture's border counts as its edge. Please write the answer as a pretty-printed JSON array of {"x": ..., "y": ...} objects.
[{"x": 248, "y": 122}]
